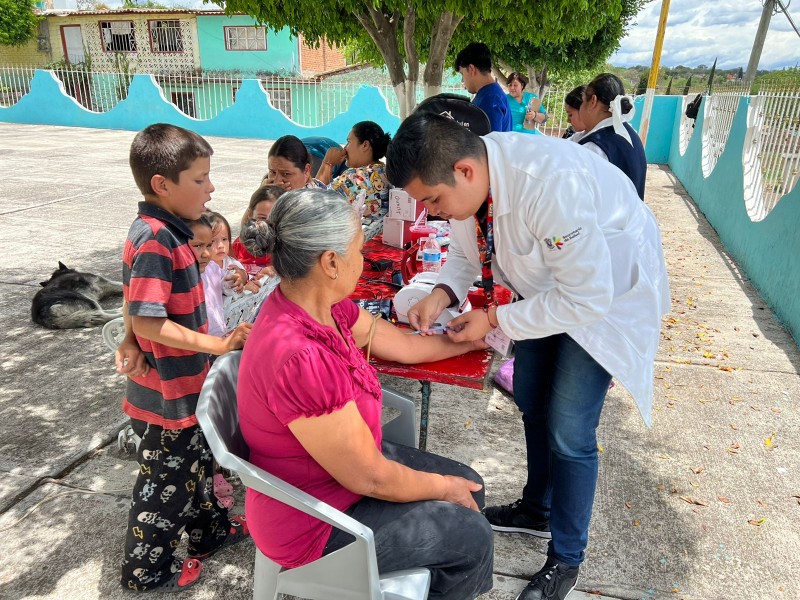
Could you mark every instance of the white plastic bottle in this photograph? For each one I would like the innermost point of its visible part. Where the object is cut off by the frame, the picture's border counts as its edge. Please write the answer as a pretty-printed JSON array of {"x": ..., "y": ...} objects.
[{"x": 431, "y": 255}]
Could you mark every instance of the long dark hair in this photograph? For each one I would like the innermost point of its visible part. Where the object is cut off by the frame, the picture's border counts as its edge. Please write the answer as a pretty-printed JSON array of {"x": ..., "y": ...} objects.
[
  {"x": 606, "y": 87},
  {"x": 574, "y": 99},
  {"x": 292, "y": 149},
  {"x": 369, "y": 131}
]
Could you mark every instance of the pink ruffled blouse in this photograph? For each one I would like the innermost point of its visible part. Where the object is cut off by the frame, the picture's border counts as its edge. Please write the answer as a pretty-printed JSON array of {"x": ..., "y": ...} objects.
[{"x": 295, "y": 367}]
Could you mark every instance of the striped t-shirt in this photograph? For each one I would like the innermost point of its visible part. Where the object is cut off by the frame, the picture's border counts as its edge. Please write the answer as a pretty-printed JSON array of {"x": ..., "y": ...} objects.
[{"x": 161, "y": 278}]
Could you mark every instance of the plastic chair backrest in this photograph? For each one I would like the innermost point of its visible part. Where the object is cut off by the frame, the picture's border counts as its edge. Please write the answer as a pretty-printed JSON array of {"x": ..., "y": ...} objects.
[{"x": 350, "y": 573}]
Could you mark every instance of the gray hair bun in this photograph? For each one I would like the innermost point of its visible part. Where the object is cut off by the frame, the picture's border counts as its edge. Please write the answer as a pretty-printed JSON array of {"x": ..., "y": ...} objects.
[{"x": 258, "y": 237}]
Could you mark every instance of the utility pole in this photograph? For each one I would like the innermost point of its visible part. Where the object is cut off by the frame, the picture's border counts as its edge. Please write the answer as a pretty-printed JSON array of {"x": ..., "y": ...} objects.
[
  {"x": 758, "y": 44},
  {"x": 654, "y": 65}
]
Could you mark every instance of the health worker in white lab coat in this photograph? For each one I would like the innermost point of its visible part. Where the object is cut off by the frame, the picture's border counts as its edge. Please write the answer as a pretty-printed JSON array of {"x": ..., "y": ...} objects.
[{"x": 567, "y": 232}]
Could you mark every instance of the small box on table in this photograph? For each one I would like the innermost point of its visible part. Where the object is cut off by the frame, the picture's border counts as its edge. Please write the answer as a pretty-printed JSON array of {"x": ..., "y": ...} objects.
[
  {"x": 396, "y": 232},
  {"x": 402, "y": 206}
]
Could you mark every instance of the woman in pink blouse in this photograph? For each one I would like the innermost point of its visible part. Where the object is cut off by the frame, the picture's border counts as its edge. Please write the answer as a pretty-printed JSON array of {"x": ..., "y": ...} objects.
[{"x": 310, "y": 408}]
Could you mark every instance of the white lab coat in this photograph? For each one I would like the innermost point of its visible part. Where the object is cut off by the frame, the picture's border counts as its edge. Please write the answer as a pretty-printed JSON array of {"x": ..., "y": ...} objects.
[{"x": 575, "y": 241}]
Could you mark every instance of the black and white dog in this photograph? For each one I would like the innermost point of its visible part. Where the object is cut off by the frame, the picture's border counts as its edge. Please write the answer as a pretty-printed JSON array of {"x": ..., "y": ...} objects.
[{"x": 70, "y": 299}]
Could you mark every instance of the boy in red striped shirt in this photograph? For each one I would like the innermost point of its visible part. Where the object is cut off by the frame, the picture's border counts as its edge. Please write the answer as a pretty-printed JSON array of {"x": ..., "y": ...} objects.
[{"x": 165, "y": 317}]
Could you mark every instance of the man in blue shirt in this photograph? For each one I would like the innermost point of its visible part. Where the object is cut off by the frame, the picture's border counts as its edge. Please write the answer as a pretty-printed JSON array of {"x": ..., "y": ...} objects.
[{"x": 475, "y": 65}]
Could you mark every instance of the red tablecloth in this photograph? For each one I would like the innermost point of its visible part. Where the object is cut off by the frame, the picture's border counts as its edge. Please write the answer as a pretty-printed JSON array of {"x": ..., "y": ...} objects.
[{"x": 468, "y": 370}]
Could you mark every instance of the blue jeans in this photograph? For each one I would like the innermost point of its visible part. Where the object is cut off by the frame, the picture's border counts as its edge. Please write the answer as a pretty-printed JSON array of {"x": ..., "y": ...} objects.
[{"x": 560, "y": 390}]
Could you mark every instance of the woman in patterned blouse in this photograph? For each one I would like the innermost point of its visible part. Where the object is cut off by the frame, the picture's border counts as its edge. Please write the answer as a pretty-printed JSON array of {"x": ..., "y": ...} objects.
[{"x": 366, "y": 145}]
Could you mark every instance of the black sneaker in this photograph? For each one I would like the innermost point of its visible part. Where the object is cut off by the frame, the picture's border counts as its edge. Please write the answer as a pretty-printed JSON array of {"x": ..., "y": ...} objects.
[
  {"x": 511, "y": 518},
  {"x": 554, "y": 582}
]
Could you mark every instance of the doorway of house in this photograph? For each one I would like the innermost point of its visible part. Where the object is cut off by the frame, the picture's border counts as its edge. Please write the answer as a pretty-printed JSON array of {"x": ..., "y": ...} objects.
[{"x": 76, "y": 81}]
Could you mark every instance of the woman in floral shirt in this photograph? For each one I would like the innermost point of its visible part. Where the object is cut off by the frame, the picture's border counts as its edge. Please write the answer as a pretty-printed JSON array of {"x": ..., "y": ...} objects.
[{"x": 366, "y": 145}]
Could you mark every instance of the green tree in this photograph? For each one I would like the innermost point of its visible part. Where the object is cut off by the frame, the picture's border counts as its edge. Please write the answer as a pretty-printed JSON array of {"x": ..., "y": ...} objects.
[
  {"x": 401, "y": 34},
  {"x": 668, "y": 92},
  {"x": 579, "y": 53},
  {"x": 17, "y": 22},
  {"x": 711, "y": 77},
  {"x": 688, "y": 85}
]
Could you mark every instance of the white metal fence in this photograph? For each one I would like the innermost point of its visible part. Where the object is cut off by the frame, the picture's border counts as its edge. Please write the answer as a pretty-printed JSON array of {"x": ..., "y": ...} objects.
[
  {"x": 771, "y": 153},
  {"x": 720, "y": 108},
  {"x": 771, "y": 157}
]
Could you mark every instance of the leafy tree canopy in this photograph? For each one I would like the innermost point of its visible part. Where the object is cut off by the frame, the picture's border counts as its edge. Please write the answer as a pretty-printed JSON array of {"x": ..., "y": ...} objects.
[
  {"x": 401, "y": 34},
  {"x": 582, "y": 50},
  {"x": 17, "y": 22}
]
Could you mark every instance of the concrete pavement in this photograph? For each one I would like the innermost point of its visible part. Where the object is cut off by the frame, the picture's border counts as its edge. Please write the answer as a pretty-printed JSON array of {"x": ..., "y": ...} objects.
[{"x": 702, "y": 506}]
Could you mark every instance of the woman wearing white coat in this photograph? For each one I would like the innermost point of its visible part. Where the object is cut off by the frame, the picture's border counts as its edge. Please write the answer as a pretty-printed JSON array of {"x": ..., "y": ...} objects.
[{"x": 568, "y": 233}]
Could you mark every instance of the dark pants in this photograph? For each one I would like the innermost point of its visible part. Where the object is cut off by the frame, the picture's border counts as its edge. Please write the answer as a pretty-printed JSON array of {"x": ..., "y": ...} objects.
[
  {"x": 172, "y": 494},
  {"x": 560, "y": 390},
  {"x": 454, "y": 542}
]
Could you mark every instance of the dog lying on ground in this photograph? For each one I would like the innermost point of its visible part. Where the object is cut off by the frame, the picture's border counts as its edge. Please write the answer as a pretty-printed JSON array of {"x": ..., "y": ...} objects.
[{"x": 71, "y": 298}]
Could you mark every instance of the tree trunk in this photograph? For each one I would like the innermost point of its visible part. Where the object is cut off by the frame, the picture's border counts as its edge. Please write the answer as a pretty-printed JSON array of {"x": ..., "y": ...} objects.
[
  {"x": 383, "y": 32},
  {"x": 412, "y": 59},
  {"x": 441, "y": 34},
  {"x": 539, "y": 83}
]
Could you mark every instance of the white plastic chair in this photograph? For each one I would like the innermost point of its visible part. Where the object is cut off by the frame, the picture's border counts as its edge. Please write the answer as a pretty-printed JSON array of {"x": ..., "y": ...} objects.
[{"x": 350, "y": 573}]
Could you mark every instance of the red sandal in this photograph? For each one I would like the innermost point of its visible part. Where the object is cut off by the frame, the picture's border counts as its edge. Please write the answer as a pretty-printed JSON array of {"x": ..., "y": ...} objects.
[{"x": 238, "y": 532}]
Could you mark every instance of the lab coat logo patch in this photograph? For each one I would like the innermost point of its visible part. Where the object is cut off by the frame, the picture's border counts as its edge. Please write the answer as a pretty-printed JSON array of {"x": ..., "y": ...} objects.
[
  {"x": 558, "y": 242},
  {"x": 554, "y": 243}
]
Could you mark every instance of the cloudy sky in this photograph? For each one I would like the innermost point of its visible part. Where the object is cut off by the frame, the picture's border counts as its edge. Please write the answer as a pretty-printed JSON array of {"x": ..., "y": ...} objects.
[{"x": 700, "y": 31}]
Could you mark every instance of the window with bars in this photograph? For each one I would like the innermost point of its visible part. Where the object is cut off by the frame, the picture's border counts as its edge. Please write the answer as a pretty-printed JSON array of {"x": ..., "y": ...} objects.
[
  {"x": 245, "y": 38},
  {"x": 118, "y": 36},
  {"x": 185, "y": 102},
  {"x": 281, "y": 99},
  {"x": 165, "y": 36}
]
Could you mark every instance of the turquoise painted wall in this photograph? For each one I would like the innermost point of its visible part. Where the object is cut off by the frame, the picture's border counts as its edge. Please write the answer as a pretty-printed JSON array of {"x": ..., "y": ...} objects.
[
  {"x": 662, "y": 123},
  {"x": 251, "y": 116},
  {"x": 281, "y": 55},
  {"x": 768, "y": 251}
]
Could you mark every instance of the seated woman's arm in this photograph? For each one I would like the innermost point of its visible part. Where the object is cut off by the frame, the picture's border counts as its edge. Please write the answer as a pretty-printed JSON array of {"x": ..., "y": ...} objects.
[
  {"x": 341, "y": 442},
  {"x": 332, "y": 158},
  {"x": 398, "y": 345}
]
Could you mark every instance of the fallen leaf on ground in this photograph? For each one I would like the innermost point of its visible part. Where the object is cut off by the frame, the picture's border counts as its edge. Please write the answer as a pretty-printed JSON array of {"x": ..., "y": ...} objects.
[
  {"x": 769, "y": 441},
  {"x": 762, "y": 504},
  {"x": 757, "y": 522},
  {"x": 627, "y": 505},
  {"x": 734, "y": 449},
  {"x": 776, "y": 410},
  {"x": 696, "y": 470},
  {"x": 724, "y": 499},
  {"x": 693, "y": 501},
  {"x": 636, "y": 522},
  {"x": 600, "y": 448},
  {"x": 733, "y": 425}
]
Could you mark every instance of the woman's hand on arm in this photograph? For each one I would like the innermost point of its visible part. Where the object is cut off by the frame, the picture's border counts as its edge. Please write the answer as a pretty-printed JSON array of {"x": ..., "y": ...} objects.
[{"x": 343, "y": 445}]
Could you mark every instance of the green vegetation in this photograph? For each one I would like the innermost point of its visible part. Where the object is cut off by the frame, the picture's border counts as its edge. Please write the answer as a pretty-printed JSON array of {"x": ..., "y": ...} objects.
[
  {"x": 17, "y": 22},
  {"x": 403, "y": 34}
]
